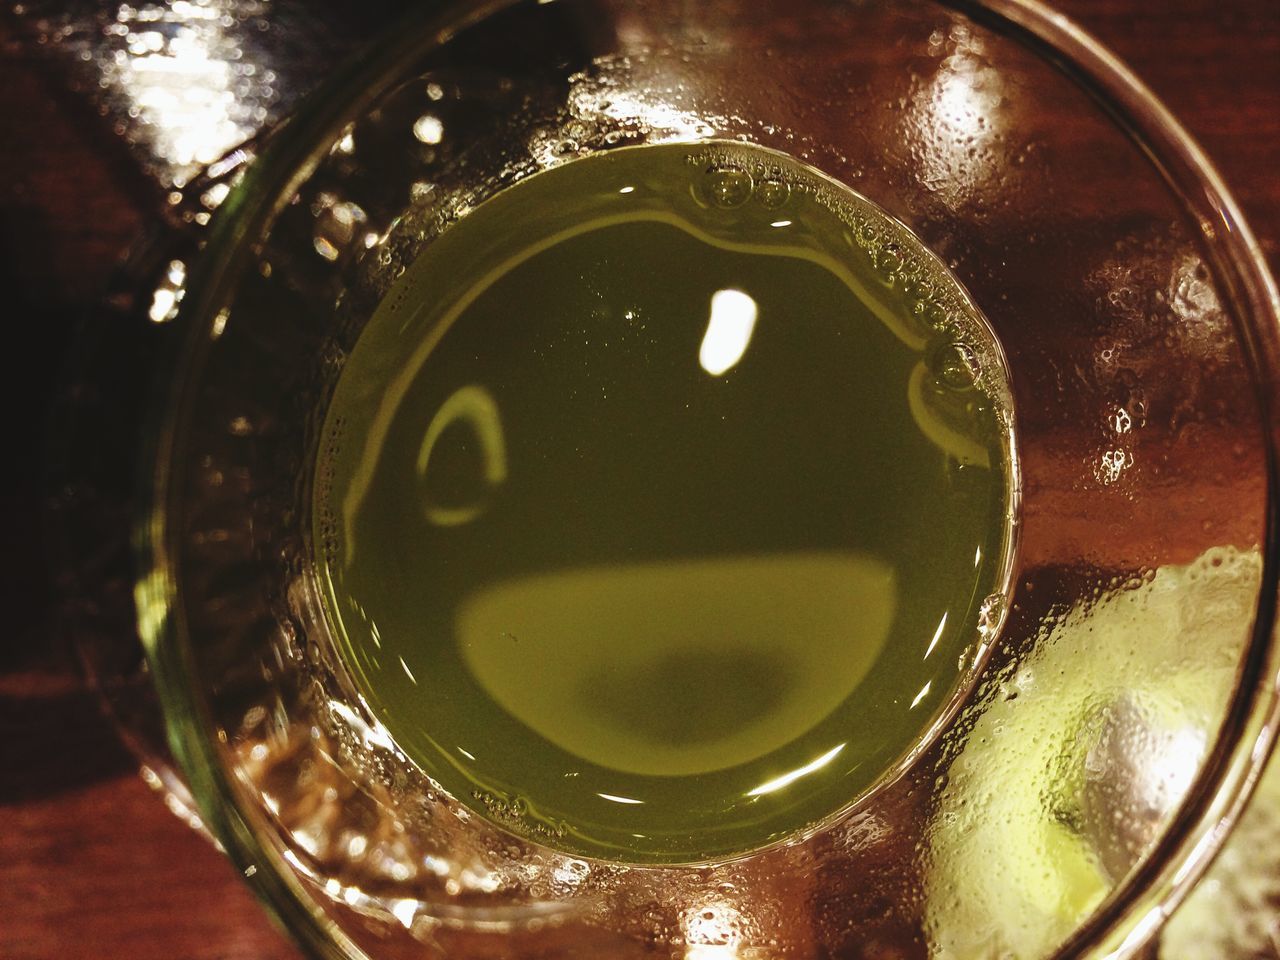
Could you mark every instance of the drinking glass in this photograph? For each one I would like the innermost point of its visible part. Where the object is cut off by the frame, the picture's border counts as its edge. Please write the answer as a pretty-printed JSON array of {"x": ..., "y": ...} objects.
[{"x": 1113, "y": 718}]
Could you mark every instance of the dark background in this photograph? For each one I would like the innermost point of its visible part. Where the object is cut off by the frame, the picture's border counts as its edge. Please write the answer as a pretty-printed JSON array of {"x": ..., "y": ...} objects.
[{"x": 91, "y": 862}]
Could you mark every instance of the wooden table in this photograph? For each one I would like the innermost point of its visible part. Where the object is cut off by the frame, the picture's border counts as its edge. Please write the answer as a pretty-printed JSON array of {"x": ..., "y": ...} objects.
[{"x": 91, "y": 862}]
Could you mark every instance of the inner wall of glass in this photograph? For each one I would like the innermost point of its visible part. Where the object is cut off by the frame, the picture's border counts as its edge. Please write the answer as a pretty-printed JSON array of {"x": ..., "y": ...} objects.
[{"x": 1143, "y": 486}]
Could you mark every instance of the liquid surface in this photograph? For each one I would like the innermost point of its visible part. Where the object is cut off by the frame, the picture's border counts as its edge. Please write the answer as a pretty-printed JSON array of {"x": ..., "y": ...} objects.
[{"x": 665, "y": 502}]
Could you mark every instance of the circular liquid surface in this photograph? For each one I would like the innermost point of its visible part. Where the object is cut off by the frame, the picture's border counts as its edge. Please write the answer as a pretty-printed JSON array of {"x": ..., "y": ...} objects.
[{"x": 665, "y": 502}]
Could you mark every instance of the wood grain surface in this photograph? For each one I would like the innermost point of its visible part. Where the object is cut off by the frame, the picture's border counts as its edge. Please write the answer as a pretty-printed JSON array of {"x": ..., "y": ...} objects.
[{"x": 91, "y": 863}]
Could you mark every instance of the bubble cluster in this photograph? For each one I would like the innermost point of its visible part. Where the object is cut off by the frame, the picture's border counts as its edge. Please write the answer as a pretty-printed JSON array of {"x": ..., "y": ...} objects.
[{"x": 514, "y": 811}]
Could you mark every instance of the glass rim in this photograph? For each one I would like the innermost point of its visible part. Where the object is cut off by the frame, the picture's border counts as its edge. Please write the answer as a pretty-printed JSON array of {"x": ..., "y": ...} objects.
[{"x": 1134, "y": 910}]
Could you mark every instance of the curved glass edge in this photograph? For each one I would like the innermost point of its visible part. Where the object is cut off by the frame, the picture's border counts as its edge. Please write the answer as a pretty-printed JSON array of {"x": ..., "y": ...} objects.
[
  {"x": 1136, "y": 909},
  {"x": 290, "y": 155}
]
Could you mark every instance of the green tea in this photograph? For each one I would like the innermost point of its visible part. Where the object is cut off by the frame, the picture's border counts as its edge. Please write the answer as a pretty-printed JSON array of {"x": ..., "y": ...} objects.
[{"x": 664, "y": 503}]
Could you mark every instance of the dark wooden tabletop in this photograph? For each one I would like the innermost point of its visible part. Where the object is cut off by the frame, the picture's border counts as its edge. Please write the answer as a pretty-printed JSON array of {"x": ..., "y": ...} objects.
[{"x": 91, "y": 862}]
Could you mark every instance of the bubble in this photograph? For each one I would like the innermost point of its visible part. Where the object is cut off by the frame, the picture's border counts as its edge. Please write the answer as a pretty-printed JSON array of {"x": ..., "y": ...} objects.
[
  {"x": 887, "y": 265},
  {"x": 729, "y": 188},
  {"x": 932, "y": 313},
  {"x": 773, "y": 193},
  {"x": 955, "y": 365},
  {"x": 918, "y": 288}
]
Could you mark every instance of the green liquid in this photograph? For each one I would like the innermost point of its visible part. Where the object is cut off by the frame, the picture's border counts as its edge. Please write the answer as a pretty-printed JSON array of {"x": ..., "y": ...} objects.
[{"x": 660, "y": 499}]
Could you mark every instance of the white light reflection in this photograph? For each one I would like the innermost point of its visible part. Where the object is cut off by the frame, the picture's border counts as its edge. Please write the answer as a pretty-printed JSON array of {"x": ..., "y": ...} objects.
[
  {"x": 780, "y": 223},
  {"x": 183, "y": 76},
  {"x": 405, "y": 911},
  {"x": 1111, "y": 465},
  {"x": 1172, "y": 760},
  {"x": 613, "y": 97},
  {"x": 168, "y": 293},
  {"x": 711, "y": 951},
  {"x": 953, "y": 118},
  {"x": 163, "y": 305},
  {"x": 627, "y": 190},
  {"x": 617, "y": 799},
  {"x": 789, "y": 778},
  {"x": 372, "y": 734},
  {"x": 924, "y": 692},
  {"x": 712, "y": 931},
  {"x": 733, "y": 318},
  {"x": 959, "y": 98},
  {"x": 1192, "y": 298},
  {"x": 937, "y": 635},
  {"x": 428, "y": 129},
  {"x": 407, "y": 672},
  {"x": 656, "y": 115}
]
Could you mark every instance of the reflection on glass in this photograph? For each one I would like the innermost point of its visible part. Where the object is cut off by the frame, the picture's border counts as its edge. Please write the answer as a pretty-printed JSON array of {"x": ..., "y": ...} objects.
[
  {"x": 924, "y": 692},
  {"x": 733, "y": 318},
  {"x": 184, "y": 75},
  {"x": 616, "y": 799},
  {"x": 428, "y": 129},
  {"x": 954, "y": 118},
  {"x": 789, "y": 778},
  {"x": 937, "y": 635},
  {"x": 474, "y": 406},
  {"x": 712, "y": 931},
  {"x": 1091, "y": 745}
]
